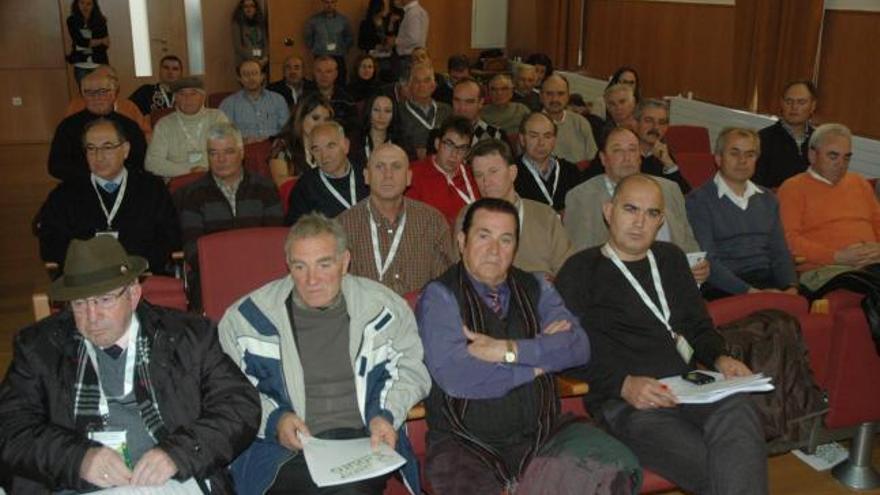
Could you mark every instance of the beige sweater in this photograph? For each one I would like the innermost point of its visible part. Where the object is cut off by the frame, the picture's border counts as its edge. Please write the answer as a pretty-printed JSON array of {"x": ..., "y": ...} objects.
[{"x": 177, "y": 135}]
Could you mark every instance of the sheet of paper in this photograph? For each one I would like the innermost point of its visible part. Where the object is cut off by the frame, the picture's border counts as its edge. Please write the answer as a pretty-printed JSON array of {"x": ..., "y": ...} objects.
[
  {"x": 335, "y": 462},
  {"x": 689, "y": 393},
  {"x": 172, "y": 487}
]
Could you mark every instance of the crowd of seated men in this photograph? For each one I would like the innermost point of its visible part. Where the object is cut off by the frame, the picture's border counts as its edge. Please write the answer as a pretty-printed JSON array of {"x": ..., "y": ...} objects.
[{"x": 528, "y": 264}]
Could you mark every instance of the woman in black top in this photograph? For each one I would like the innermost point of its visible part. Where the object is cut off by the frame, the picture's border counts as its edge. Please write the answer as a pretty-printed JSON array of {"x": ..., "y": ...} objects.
[
  {"x": 364, "y": 81},
  {"x": 87, "y": 27},
  {"x": 379, "y": 125}
]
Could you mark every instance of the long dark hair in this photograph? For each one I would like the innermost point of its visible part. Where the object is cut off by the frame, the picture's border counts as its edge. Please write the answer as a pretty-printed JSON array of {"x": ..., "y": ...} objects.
[
  {"x": 393, "y": 131},
  {"x": 95, "y": 18},
  {"x": 238, "y": 14},
  {"x": 541, "y": 59}
]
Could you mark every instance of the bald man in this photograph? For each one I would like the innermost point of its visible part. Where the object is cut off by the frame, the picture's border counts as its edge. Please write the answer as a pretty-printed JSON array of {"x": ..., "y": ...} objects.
[{"x": 620, "y": 287}]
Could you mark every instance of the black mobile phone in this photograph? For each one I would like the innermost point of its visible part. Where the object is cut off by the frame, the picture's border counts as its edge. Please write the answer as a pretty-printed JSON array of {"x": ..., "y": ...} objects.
[{"x": 698, "y": 377}]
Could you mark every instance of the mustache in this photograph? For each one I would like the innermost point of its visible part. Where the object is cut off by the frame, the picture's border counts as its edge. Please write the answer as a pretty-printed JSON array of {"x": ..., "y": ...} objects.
[{"x": 654, "y": 132}]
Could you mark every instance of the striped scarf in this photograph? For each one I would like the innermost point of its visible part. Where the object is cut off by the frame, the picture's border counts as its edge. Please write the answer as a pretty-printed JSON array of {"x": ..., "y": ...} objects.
[
  {"x": 87, "y": 390},
  {"x": 455, "y": 409}
]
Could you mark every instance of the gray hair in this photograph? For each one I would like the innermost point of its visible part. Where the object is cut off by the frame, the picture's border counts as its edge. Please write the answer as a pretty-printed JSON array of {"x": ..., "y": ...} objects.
[
  {"x": 825, "y": 131},
  {"x": 332, "y": 124},
  {"x": 518, "y": 68},
  {"x": 312, "y": 225},
  {"x": 651, "y": 103},
  {"x": 615, "y": 88},
  {"x": 728, "y": 132},
  {"x": 223, "y": 130}
]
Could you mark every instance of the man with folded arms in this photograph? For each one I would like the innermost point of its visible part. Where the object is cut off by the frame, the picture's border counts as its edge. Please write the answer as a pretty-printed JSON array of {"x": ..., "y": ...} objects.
[
  {"x": 738, "y": 224},
  {"x": 638, "y": 303},
  {"x": 494, "y": 336},
  {"x": 113, "y": 391}
]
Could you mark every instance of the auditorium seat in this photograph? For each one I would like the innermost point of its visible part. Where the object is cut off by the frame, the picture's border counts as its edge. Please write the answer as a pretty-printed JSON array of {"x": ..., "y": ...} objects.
[
  {"x": 688, "y": 139},
  {"x": 256, "y": 157},
  {"x": 157, "y": 114},
  {"x": 181, "y": 181},
  {"x": 284, "y": 193},
  {"x": 697, "y": 168},
  {"x": 235, "y": 262},
  {"x": 215, "y": 99}
]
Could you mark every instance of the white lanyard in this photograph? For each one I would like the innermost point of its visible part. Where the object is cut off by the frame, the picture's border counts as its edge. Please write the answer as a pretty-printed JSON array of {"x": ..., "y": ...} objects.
[
  {"x": 128, "y": 382},
  {"x": 609, "y": 186},
  {"x": 658, "y": 287},
  {"x": 335, "y": 193},
  {"x": 419, "y": 117},
  {"x": 540, "y": 181},
  {"x": 194, "y": 144},
  {"x": 381, "y": 268},
  {"x": 116, "y": 204},
  {"x": 522, "y": 213},
  {"x": 165, "y": 97},
  {"x": 468, "y": 197}
]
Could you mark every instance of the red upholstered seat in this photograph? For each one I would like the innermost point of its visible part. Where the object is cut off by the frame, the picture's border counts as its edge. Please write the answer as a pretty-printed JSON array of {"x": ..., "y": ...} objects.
[
  {"x": 284, "y": 193},
  {"x": 696, "y": 167},
  {"x": 214, "y": 99},
  {"x": 181, "y": 181},
  {"x": 165, "y": 291},
  {"x": 688, "y": 139},
  {"x": 235, "y": 262},
  {"x": 256, "y": 157}
]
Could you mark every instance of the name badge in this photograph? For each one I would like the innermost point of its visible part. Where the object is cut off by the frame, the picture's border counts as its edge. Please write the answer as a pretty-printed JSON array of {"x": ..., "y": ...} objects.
[
  {"x": 194, "y": 157},
  {"x": 115, "y": 440},
  {"x": 257, "y": 52},
  {"x": 331, "y": 47},
  {"x": 86, "y": 33},
  {"x": 110, "y": 233},
  {"x": 684, "y": 348}
]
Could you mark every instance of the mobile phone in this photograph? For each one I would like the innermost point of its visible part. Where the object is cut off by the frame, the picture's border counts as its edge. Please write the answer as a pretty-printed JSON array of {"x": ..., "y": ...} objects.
[{"x": 697, "y": 377}]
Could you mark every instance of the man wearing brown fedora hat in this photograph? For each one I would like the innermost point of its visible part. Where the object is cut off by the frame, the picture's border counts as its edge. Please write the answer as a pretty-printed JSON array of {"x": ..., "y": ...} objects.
[{"x": 113, "y": 391}]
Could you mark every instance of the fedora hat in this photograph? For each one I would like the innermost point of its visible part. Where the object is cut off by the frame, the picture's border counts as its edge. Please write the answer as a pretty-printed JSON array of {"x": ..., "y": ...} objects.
[{"x": 94, "y": 267}]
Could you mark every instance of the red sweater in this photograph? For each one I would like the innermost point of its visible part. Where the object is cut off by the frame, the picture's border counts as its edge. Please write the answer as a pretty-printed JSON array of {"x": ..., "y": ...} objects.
[
  {"x": 429, "y": 185},
  {"x": 820, "y": 219}
]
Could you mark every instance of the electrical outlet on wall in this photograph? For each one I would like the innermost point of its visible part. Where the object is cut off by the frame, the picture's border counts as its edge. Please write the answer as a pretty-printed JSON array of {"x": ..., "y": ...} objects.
[{"x": 16, "y": 101}]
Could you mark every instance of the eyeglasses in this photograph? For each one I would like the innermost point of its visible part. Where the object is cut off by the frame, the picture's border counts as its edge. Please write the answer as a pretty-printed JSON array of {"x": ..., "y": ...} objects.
[
  {"x": 498, "y": 89},
  {"x": 91, "y": 149},
  {"x": 462, "y": 148},
  {"x": 97, "y": 92},
  {"x": 106, "y": 301}
]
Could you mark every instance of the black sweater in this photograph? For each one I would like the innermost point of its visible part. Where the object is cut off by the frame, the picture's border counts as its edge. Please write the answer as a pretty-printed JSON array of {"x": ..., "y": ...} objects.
[
  {"x": 780, "y": 156},
  {"x": 569, "y": 178},
  {"x": 309, "y": 194},
  {"x": 627, "y": 338}
]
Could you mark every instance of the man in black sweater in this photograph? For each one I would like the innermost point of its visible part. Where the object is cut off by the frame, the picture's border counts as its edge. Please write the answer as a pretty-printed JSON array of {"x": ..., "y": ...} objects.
[
  {"x": 129, "y": 204},
  {"x": 643, "y": 314},
  {"x": 784, "y": 144},
  {"x": 67, "y": 160}
]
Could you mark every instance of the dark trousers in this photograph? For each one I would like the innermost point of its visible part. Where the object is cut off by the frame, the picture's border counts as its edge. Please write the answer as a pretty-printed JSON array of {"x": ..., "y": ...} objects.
[
  {"x": 707, "y": 449},
  {"x": 294, "y": 477}
]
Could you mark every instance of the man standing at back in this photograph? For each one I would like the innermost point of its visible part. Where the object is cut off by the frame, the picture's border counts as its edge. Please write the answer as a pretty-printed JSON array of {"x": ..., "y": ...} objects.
[
  {"x": 412, "y": 33},
  {"x": 328, "y": 33},
  {"x": 784, "y": 144},
  {"x": 151, "y": 97}
]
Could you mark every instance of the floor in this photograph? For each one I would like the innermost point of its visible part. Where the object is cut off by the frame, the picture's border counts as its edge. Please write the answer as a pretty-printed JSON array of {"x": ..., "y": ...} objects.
[{"x": 25, "y": 185}]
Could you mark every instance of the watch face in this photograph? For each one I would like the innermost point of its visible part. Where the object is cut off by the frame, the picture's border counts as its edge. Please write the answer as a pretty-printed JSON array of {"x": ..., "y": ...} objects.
[{"x": 509, "y": 357}]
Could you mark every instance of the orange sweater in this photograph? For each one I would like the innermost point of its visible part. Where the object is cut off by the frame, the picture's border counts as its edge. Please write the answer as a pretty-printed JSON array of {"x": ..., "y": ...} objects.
[
  {"x": 820, "y": 219},
  {"x": 123, "y": 107}
]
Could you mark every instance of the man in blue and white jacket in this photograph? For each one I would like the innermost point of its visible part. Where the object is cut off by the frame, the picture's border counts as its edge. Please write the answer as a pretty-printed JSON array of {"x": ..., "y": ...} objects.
[{"x": 332, "y": 355}]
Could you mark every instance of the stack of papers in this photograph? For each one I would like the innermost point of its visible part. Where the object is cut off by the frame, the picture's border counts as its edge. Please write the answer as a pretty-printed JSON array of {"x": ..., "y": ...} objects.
[
  {"x": 826, "y": 457},
  {"x": 335, "y": 462},
  {"x": 172, "y": 487},
  {"x": 689, "y": 393}
]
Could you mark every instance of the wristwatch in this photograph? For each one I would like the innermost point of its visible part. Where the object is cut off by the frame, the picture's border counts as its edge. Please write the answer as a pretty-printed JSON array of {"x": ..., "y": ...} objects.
[{"x": 510, "y": 355}]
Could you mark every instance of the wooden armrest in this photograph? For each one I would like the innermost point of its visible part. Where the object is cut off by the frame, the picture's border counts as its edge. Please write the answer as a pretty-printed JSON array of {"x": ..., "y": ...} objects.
[
  {"x": 800, "y": 260},
  {"x": 820, "y": 307},
  {"x": 570, "y": 387},
  {"x": 41, "y": 306},
  {"x": 417, "y": 412},
  {"x": 177, "y": 256}
]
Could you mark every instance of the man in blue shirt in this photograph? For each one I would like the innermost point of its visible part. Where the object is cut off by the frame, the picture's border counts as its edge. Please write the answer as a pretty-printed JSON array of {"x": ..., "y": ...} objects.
[
  {"x": 493, "y": 337},
  {"x": 255, "y": 111},
  {"x": 329, "y": 33},
  {"x": 738, "y": 223}
]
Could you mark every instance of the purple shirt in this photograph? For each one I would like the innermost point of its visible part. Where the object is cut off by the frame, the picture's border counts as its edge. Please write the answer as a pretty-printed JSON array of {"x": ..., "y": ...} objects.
[{"x": 461, "y": 375}]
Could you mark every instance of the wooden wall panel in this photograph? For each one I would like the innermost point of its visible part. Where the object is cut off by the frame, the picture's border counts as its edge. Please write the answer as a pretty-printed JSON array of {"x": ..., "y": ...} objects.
[
  {"x": 522, "y": 32},
  {"x": 217, "y": 37},
  {"x": 29, "y": 35},
  {"x": 676, "y": 47},
  {"x": 44, "y": 98},
  {"x": 849, "y": 71}
]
